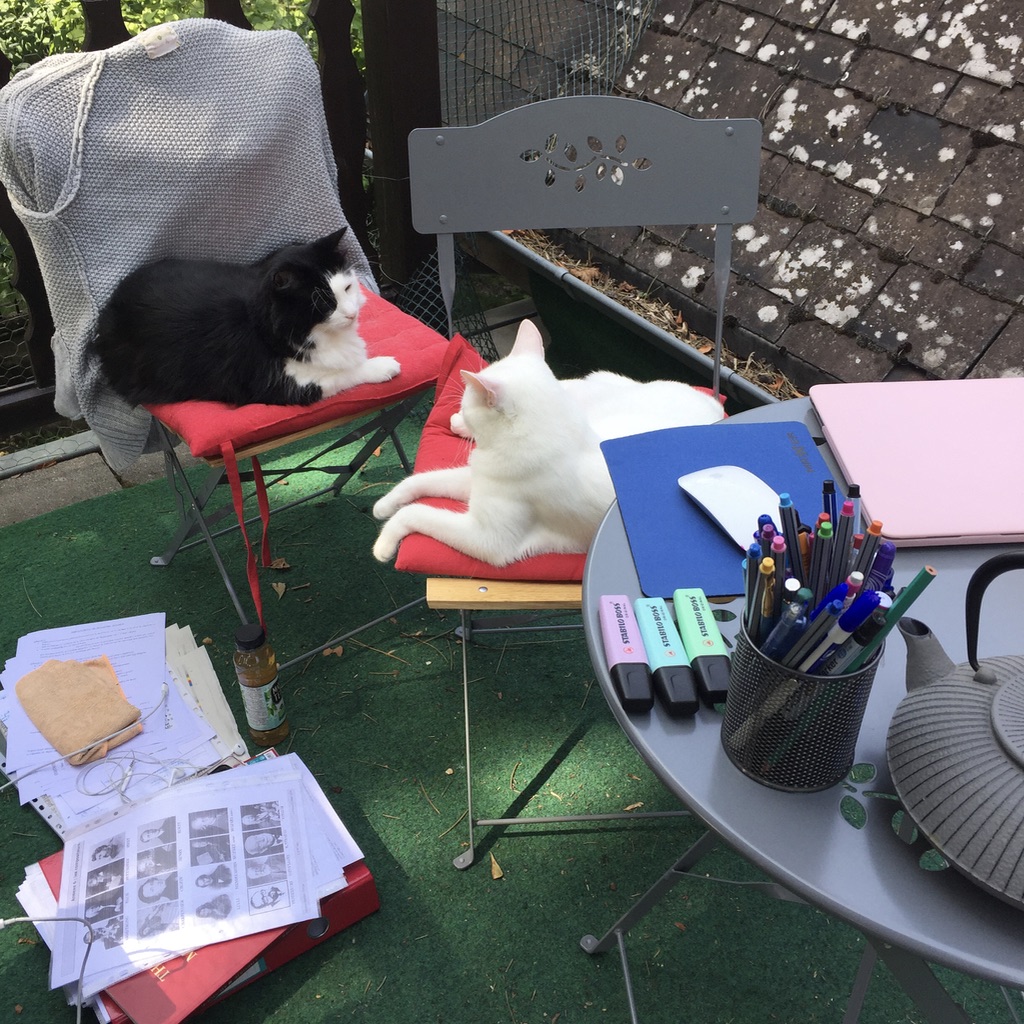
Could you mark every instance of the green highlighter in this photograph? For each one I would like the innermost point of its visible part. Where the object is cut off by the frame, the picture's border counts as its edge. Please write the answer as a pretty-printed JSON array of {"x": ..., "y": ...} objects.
[
  {"x": 670, "y": 667},
  {"x": 704, "y": 645}
]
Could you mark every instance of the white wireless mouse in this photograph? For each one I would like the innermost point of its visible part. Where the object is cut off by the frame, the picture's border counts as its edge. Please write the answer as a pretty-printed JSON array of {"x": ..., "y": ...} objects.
[{"x": 733, "y": 497}]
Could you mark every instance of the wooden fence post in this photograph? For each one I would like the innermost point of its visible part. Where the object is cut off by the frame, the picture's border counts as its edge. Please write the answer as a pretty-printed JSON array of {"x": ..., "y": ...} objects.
[{"x": 404, "y": 92}]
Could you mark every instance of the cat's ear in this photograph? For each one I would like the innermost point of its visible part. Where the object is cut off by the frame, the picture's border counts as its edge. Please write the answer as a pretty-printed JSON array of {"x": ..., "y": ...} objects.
[
  {"x": 330, "y": 243},
  {"x": 528, "y": 341},
  {"x": 487, "y": 391}
]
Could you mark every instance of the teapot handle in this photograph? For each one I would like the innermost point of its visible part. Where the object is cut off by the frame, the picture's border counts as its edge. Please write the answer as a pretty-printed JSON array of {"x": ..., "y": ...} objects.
[{"x": 982, "y": 577}]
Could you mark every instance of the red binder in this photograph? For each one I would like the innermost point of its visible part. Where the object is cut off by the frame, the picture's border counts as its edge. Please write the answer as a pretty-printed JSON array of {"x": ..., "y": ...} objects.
[{"x": 172, "y": 991}]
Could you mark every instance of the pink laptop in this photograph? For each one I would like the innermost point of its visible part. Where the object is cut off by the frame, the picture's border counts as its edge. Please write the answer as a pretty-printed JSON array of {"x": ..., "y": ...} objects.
[{"x": 938, "y": 462}]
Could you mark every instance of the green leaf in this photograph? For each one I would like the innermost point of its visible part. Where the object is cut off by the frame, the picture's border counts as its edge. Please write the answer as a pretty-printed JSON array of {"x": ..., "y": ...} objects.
[{"x": 853, "y": 811}]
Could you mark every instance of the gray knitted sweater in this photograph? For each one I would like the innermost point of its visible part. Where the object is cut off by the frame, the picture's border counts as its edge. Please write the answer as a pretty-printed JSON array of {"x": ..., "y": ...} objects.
[{"x": 196, "y": 140}]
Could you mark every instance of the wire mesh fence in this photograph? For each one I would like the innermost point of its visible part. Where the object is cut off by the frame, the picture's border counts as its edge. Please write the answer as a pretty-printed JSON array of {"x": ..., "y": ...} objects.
[{"x": 495, "y": 55}]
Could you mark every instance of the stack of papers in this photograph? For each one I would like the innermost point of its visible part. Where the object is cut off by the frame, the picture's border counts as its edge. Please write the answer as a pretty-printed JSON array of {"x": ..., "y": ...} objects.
[
  {"x": 188, "y": 728},
  {"x": 211, "y": 860},
  {"x": 172, "y": 866}
]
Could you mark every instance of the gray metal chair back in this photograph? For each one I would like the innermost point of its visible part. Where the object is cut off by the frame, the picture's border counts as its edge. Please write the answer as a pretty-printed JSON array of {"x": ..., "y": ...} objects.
[{"x": 586, "y": 162}]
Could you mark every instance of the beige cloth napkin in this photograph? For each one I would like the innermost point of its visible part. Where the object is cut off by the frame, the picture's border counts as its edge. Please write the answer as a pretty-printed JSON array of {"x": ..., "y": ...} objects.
[{"x": 75, "y": 704}]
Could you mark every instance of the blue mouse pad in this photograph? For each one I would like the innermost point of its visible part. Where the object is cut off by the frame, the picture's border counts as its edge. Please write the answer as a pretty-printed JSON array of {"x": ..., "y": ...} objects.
[{"x": 673, "y": 542}]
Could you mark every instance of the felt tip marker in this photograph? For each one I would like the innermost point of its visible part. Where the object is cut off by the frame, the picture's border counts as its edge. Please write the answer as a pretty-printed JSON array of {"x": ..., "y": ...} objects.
[
  {"x": 704, "y": 644},
  {"x": 670, "y": 667},
  {"x": 625, "y": 653}
]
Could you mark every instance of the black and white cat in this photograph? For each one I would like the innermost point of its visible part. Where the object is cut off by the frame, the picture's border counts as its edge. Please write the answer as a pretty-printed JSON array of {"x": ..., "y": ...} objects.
[
  {"x": 283, "y": 330},
  {"x": 536, "y": 481}
]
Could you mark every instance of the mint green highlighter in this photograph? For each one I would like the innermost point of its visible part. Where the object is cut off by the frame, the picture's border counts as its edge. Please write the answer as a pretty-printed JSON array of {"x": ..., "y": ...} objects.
[
  {"x": 704, "y": 644},
  {"x": 670, "y": 667}
]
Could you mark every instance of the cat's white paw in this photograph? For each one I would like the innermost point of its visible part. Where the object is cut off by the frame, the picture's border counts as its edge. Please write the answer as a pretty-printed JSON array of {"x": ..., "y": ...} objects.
[
  {"x": 458, "y": 426},
  {"x": 386, "y": 546},
  {"x": 382, "y": 368},
  {"x": 385, "y": 507}
]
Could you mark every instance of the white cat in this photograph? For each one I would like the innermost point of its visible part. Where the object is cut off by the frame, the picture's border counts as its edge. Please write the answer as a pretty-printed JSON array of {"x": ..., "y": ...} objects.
[{"x": 536, "y": 481}]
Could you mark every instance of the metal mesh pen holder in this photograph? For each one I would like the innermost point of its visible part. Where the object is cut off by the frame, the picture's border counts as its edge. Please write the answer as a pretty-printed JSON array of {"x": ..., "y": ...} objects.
[{"x": 790, "y": 730}]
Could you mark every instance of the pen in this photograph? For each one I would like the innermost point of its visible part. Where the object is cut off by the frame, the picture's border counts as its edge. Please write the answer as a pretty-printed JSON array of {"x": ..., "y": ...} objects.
[
  {"x": 854, "y": 584},
  {"x": 837, "y": 593},
  {"x": 881, "y": 567},
  {"x": 755, "y": 613},
  {"x": 750, "y": 574},
  {"x": 768, "y": 597},
  {"x": 804, "y": 547},
  {"x": 812, "y": 635},
  {"x": 786, "y": 631},
  {"x": 821, "y": 552},
  {"x": 778, "y": 591},
  {"x": 839, "y": 565},
  {"x": 766, "y": 536},
  {"x": 838, "y": 661},
  {"x": 828, "y": 498},
  {"x": 913, "y": 589},
  {"x": 853, "y": 493},
  {"x": 848, "y": 622},
  {"x": 872, "y": 538},
  {"x": 790, "y": 521}
]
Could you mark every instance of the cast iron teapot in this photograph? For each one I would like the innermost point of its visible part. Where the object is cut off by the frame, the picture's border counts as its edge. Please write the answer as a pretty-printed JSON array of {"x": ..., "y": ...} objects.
[{"x": 956, "y": 748}]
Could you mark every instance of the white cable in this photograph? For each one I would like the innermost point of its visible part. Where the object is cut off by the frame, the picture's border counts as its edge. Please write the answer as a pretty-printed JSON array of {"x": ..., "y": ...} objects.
[
  {"x": 81, "y": 750},
  {"x": 85, "y": 958}
]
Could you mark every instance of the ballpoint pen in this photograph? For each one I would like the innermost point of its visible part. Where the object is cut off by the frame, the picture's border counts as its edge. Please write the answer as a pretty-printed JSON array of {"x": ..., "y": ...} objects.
[
  {"x": 904, "y": 599},
  {"x": 812, "y": 635},
  {"x": 838, "y": 593},
  {"x": 848, "y": 623},
  {"x": 786, "y": 631},
  {"x": 841, "y": 658}
]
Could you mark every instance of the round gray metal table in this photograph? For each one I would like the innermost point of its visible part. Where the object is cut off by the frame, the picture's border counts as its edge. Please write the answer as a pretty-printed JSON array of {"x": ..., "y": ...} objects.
[{"x": 866, "y": 876}]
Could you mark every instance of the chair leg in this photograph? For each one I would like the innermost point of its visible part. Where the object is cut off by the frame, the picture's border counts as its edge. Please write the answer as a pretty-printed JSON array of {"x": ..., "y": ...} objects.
[
  {"x": 464, "y": 859},
  {"x": 467, "y": 627},
  {"x": 192, "y": 519}
]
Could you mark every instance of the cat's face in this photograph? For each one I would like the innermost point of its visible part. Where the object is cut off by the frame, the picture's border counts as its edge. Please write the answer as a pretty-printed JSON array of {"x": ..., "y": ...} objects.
[
  {"x": 519, "y": 387},
  {"x": 307, "y": 286},
  {"x": 348, "y": 298}
]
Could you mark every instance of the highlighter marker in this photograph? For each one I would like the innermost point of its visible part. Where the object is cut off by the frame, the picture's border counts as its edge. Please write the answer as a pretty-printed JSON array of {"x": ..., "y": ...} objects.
[
  {"x": 625, "y": 653},
  {"x": 670, "y": 667},
  {"x": 704, "y": 644}
]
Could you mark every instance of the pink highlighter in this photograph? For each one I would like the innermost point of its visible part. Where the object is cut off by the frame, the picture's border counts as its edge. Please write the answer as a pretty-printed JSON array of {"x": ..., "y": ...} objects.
[{"x": 625, "y": 653}]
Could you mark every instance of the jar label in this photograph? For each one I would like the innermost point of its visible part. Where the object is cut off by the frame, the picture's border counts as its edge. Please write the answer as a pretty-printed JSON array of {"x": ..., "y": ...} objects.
[{"x": 264, "y": 706}]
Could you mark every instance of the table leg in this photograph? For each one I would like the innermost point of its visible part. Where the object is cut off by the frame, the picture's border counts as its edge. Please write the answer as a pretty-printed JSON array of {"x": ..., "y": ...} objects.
[
  {"x": 919, "y": 982},
  {"x": 616, "y": 935}
]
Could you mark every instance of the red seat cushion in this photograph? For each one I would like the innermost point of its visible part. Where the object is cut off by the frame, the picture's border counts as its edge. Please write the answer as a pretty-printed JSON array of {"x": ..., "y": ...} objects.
[
  {"x": 203, "y": 426},
  {"x": 439, "y": 449}
]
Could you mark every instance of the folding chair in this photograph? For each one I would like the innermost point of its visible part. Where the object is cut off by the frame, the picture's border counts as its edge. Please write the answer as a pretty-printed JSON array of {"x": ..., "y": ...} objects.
[
  {"x": 227, "y": 157},
  {"x": 579, "y": 162}
]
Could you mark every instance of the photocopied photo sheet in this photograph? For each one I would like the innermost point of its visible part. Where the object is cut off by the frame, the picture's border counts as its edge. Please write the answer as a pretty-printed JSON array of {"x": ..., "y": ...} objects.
[{"x": 212, "y": 859}]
